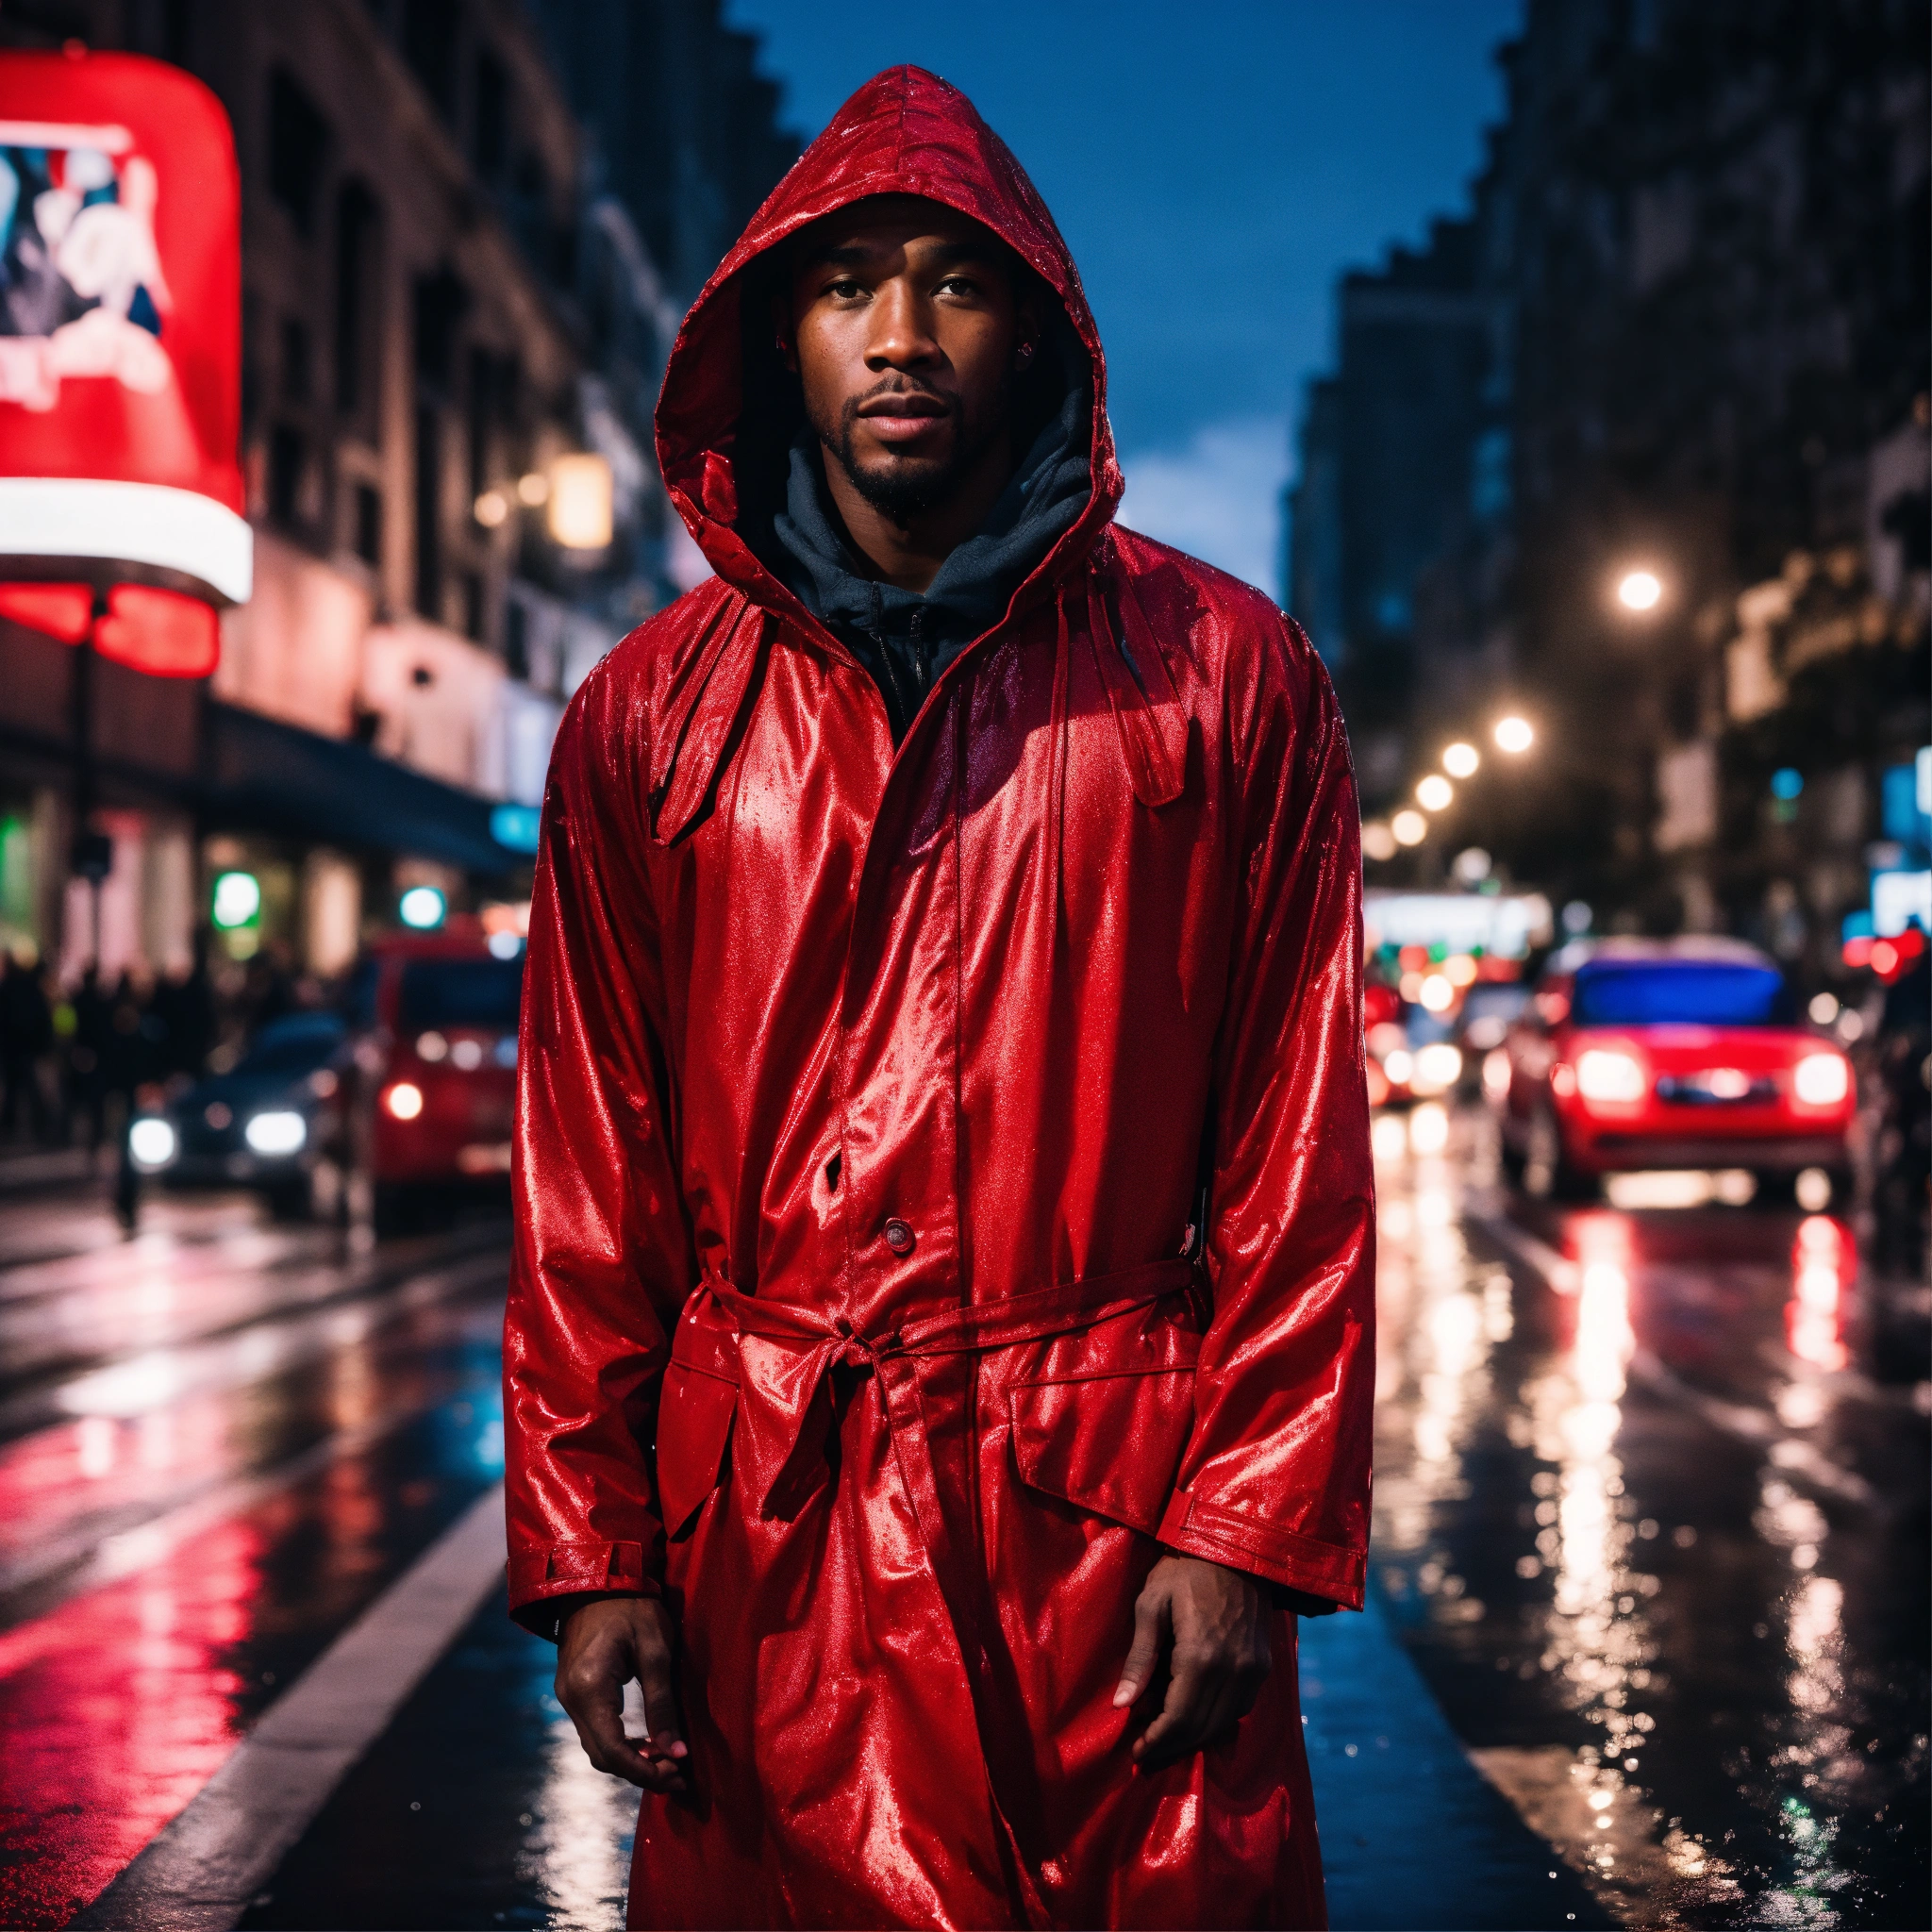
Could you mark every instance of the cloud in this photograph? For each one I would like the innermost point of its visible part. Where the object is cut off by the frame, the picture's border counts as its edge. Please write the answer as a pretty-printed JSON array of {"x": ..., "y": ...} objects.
[{"x": 1219, "y": 498}]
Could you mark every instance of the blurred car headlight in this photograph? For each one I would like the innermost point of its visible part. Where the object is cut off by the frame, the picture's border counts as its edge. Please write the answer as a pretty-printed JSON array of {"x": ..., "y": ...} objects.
[
  {"x": 1437, "y": 1067},
  {"x": 403, "y": 1101},
  {"x": 1822, "y": 1079},
  {"x": 1399, "y": 1066},
  {"x": 1438, "y": 992},
  {"x": 1603, "y": 1074},
  {"x": 1496, "y": 1073},
  {"x": 153, "y": 1144},
  {"x": 281, "y": 1131}
]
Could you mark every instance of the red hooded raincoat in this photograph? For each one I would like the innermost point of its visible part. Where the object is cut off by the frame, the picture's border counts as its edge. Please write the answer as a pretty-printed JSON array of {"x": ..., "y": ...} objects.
[{"x": 863, "y": 1100}]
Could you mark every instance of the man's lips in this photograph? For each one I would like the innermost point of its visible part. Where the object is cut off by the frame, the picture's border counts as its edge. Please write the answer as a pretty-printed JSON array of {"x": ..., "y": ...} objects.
[{"x": 902, "y": 414}]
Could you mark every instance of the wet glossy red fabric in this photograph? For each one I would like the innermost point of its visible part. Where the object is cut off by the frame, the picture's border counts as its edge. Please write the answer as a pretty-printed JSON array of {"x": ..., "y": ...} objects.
[{"x": 862, "y": 1100}]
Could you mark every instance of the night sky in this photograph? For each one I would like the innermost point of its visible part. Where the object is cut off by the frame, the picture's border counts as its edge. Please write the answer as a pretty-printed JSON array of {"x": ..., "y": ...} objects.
[{"x": 1211, "y": 181}]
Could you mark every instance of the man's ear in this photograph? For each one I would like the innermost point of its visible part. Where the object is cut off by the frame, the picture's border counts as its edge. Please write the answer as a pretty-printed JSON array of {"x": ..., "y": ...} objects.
[{"x": 1028, "y": 327}]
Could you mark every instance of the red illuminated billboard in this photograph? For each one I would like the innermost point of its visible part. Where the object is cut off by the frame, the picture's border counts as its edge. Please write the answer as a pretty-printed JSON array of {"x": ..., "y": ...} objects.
[{"x": 121, "y": 491}]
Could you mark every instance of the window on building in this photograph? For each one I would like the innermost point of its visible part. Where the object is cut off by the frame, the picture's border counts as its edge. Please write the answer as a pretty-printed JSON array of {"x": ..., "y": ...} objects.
[
  {"x": 288, "y": 454},
  {"x": 441, "y": 300},
  {"x": 177, "y": 31},
  {"x": 297, "y": 150},
  {"x": 490, "y": 126},
  {"x": 516, "y": 637},
  {"x": 358, "y": 295},
  {"x": 297, "y": 375},
  {"x": 430, "y": 512},
  {"x": 429, "y": 46},
  {"x": 486, "y": 411},
  {"x": 368, "y": 535},
  {"x": 475, "y": 607}
]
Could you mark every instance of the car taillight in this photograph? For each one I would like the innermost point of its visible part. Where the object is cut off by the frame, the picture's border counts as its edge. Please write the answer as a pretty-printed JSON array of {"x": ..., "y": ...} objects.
[
  {"x": 1821, "y": 1079},
  {"x": 403, "y": 1101},
  {"x": 1604, "y": 1074}
]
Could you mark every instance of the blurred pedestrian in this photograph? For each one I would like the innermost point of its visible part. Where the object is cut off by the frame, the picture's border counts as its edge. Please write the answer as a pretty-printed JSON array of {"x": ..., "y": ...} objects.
[
  {"x": 27, "y": 1041},
  {"x": 943, "y": 1132},
  {"x": 86, "y": 1058},
  {"x": 183, "y": 1010}
]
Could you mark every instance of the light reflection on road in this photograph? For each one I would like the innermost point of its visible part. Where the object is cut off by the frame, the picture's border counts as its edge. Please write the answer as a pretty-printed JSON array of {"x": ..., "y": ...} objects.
[{"x": 1590, "y": 1616}]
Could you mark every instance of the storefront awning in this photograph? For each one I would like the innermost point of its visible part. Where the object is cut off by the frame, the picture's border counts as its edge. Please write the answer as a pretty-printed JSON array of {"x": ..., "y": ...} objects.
[{"x": 266, "y": 776}]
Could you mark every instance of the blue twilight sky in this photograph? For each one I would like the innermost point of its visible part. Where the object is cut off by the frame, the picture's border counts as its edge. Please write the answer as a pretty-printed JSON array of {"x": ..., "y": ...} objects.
[{"x": 1213, "y": 166}]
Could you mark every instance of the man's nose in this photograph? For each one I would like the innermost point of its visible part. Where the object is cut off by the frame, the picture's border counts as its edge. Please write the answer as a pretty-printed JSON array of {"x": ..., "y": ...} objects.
[{"x": 901, "y": 336}]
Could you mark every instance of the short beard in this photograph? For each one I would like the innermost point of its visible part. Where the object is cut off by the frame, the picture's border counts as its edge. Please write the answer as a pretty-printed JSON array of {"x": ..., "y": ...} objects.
[{"x": 903, "y": 490}]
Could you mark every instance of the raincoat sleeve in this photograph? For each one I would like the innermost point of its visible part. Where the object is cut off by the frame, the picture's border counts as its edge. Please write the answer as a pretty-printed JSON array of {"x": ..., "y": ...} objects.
[
  {"x": 603, "y": 1255},
  {"x": 1276, "y": 1478}
]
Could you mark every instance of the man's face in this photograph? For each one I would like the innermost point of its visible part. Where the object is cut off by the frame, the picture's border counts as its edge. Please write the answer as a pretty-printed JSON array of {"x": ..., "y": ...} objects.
[{"x": 906, "y": 335}]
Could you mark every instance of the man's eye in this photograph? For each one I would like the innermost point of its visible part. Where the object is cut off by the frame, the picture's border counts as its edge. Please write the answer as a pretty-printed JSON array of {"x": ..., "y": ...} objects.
[
  {"x": 844, "y": 289},
  {"x": 960, "y": 285}
]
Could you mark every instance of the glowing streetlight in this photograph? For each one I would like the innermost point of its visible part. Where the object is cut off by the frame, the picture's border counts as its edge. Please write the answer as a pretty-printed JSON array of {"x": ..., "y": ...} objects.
[
  {"x": 490, "y": 509},
  {"x": 581, "y": 502},
  {"x": 1461, "y": 761},
  {"x": 1378, "y": 842},
  {"x": 1408, "y": 827},
  {"x": 1513, "y": 735},
  {"x": 1640, "y": 590},
  {"x": 1435, "y": 792}
]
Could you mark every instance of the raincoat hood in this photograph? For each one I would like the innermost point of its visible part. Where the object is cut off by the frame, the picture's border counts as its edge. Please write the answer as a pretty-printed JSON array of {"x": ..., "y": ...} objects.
[{"x": 725, "y": 416}]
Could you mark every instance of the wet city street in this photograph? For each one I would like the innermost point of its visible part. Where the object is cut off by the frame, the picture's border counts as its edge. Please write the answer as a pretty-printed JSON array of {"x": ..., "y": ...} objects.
[{"x": 1651, "y": 1522}]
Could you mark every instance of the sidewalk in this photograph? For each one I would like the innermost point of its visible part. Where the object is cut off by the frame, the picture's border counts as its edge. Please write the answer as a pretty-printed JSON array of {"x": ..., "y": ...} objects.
[{"x": 1412, "y": 1836}]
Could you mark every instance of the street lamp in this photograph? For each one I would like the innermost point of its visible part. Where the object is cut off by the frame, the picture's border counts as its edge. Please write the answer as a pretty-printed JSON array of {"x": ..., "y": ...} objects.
[
  {"x": 581, "y": 502},
  {"x": 1409, "y": 827},
  {"x": 1639, "y": 591},
  {"x": 1461, "y": 761},
  {"x": 1434, "y": 793},
  {"x": 1513, "y": 735},
  {"x": 1378, "y": 842}
]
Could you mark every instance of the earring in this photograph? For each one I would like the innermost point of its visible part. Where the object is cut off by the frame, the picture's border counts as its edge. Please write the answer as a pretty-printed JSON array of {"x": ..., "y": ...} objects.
[{"x": 1025, "y": 351}]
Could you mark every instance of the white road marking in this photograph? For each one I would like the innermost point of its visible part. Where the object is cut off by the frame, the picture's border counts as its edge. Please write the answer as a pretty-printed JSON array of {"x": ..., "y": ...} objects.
[{"x": 199, "y": 1874}]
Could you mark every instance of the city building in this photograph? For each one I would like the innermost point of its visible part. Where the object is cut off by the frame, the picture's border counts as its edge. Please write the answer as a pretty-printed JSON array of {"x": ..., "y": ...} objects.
[
  {"x": 1690, "y": 539},
  {"x": 455, "y": 320}
]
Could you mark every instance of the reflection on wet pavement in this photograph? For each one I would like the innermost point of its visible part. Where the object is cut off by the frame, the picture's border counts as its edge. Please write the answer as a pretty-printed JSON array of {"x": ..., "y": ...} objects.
[
  {"x": 1651, "y": 1522},
  {"x": 1656, "y": 1542},
  {"x": 194, "y": 1512}
]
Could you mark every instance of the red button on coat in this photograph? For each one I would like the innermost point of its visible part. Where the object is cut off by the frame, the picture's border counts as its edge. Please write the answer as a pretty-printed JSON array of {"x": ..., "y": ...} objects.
[{"x": 899, "y": 1237}]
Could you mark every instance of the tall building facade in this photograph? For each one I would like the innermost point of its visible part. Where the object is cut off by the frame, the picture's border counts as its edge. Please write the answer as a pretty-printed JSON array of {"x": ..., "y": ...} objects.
[
  {"x": 1700, "y": 244},
  {"x": 454, "y": 326}
]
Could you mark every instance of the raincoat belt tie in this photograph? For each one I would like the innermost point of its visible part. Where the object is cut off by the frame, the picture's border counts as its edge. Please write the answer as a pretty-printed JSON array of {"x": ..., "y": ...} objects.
[{"x": 784, "y": 1351}]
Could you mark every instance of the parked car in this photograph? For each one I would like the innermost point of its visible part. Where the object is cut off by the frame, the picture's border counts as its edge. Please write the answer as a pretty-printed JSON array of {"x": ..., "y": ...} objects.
[
  {"x": 435, "y": 1017},
  {"x": 272, "y": 1123},
  {"x": 1672, "y": 1054}
]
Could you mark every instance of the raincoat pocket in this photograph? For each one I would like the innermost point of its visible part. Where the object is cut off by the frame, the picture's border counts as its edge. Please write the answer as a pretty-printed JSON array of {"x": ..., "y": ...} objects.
[
  {"x": 693, "y": 1429},
  {"x": 1108, "y": 1442}
]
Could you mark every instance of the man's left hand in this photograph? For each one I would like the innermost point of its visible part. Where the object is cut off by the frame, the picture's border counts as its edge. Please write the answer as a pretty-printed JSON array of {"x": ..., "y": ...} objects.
[{"x": 1210, "y": 1626}]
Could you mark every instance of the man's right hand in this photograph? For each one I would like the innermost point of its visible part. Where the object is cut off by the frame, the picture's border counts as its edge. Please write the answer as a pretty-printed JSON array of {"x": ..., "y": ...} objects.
[{"x": 603, "y": 1644}]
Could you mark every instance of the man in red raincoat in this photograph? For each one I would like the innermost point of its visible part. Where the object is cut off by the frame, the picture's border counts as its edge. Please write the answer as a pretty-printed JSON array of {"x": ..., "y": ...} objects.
[{"x": 939, "y": 1360}]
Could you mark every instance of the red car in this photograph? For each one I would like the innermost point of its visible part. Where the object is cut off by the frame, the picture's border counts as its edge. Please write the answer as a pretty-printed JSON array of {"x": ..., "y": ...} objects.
[
  {"x": 1670, "y": 1053},
  {"x": 436, "y": 1057}
]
